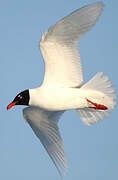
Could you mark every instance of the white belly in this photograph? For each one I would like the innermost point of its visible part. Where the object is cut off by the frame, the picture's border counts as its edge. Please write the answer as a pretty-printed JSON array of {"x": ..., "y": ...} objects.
[{"x": 56, "y": 99}]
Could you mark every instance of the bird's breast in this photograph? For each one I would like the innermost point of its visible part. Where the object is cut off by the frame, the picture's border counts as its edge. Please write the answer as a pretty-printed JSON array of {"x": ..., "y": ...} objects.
[{"x": 55, "y": 99}]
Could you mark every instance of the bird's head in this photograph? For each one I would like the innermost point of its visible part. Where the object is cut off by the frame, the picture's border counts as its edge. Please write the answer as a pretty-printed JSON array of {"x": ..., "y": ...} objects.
[{"x": 21, "y": 99}]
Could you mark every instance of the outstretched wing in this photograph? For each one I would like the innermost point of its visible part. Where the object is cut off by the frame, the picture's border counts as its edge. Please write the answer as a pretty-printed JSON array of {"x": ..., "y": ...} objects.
[
  {"x": 44, "y": 125},
  {"x": 59, "y": 46}
]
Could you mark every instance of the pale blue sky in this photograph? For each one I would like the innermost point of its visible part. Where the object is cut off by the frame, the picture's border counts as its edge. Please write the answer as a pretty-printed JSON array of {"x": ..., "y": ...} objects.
[{"x": 91, "y": 152}]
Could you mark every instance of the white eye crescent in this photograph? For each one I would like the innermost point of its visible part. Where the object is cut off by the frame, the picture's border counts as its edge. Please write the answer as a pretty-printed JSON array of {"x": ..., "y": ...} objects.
[{"x": 20, "y": 96}]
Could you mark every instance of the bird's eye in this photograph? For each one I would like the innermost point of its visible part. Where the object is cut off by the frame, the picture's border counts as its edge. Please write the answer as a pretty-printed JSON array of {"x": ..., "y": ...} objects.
[{"x": 20, "y": 97}]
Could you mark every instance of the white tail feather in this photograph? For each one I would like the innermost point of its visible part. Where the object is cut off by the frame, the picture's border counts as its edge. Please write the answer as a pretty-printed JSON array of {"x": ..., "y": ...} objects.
[
  {"x": 91, "y": 116},
  {"x": 101, "y": 91}
]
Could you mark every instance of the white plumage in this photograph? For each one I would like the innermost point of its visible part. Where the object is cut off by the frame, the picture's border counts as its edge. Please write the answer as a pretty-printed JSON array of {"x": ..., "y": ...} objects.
[{"x": 62, "y": 88}]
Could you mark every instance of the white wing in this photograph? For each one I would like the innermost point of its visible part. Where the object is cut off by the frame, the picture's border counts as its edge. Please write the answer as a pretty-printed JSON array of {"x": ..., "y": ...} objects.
[
  {"x": 44, "y": 124},
  {"x": 59, "y": 46}
]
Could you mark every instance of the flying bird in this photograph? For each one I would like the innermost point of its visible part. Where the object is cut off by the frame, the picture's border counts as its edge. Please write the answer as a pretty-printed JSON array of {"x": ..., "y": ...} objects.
[{"x": 63, "y": 88}]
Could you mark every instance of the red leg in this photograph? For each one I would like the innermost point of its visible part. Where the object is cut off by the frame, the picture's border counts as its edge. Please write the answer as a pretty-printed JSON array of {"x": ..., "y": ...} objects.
[{"x": 97, "y": 106}]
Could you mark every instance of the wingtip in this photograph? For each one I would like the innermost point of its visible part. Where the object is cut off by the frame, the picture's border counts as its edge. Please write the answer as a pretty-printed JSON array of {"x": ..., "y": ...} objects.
[
  {"x": 101, "y": 4},
  {"x": 98, "y": 4}
]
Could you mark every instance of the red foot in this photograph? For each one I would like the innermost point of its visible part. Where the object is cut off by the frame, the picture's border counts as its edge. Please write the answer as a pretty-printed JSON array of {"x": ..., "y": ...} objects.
[{"x": 97, "y": 106}]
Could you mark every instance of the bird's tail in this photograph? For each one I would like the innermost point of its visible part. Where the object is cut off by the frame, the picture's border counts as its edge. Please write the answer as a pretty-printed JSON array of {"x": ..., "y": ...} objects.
[{"x": 101, "y": 99}]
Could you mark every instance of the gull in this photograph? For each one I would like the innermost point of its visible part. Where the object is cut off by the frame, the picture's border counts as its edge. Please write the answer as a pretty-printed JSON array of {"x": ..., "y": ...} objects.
[{"x": 63, "y": 87}]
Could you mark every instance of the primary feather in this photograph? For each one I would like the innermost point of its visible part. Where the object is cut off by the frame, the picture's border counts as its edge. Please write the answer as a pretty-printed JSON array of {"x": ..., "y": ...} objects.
[
  {"x": 44, "y": 125},
  {"x": 59, "y": 46}
]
